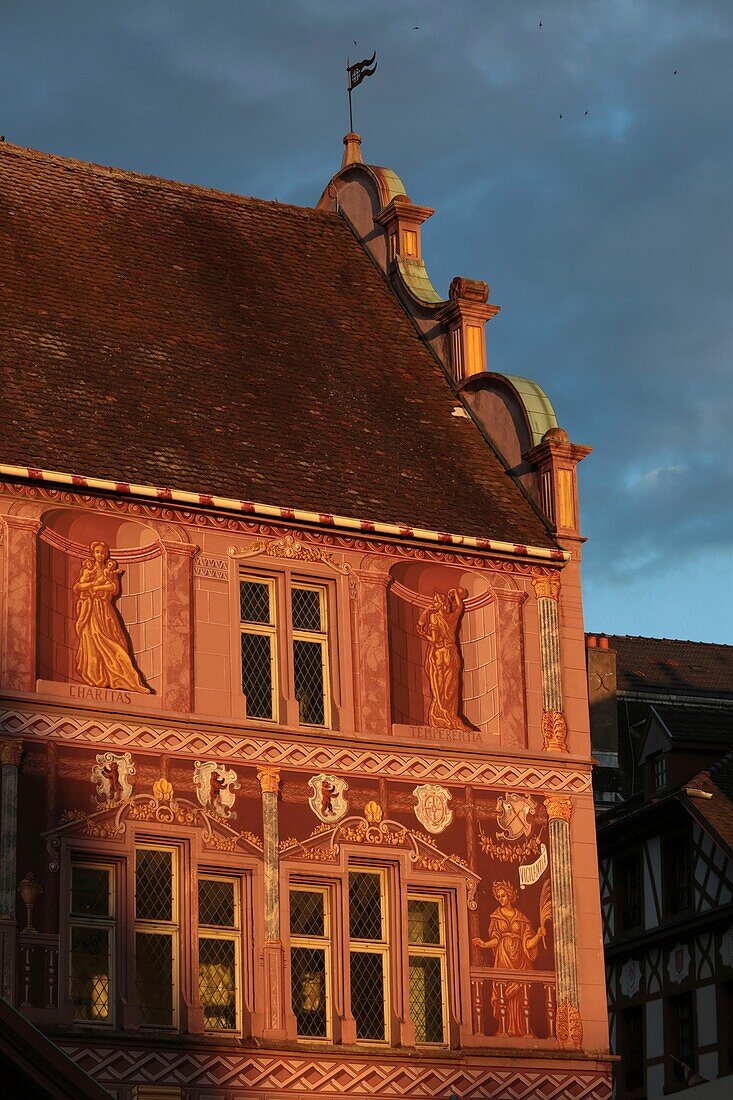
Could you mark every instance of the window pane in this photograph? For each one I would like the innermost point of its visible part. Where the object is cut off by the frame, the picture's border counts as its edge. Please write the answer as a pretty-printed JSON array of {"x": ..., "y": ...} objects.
[
  {"x": 90, "y": 891},
  {"x": 308, "y": 668},
  {"x": 89, "y": 973},
  {"x": 254, "y": 602},
  {"x": 216, "y": 902},
  {"x": 423, "y": 921},
  {"x": 308, "y": 977},
  {"x": 307, "y": 609},
  {"x": 257, "y": 674},
  {"x": 426, "y": 998},
  {"x": 154, "y": 978},
  {"x": 367, "y": 994},
  {"x": 365, "y": 906},
  {"x": 307, "y": 915},
  {"x": 154, "y": 884},
  {"x": 217, "y": 983}
]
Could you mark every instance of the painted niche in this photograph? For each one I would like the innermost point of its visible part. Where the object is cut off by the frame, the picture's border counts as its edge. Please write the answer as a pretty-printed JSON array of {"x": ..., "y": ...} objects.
[
  {"x": 100, "y": 588},
  {"x": 442, "y": 642}
]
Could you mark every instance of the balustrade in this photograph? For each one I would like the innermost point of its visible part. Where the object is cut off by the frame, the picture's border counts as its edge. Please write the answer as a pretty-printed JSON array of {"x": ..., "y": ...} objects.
[
  {"x": 504, "y": 1004},
  {"x": 39, "y": 964}
]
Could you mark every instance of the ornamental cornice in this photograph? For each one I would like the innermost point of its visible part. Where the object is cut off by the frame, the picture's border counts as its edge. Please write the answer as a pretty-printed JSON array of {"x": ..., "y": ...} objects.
[
  {"x": 328, "y": 541},
  {"x": 264, "y": 752}
]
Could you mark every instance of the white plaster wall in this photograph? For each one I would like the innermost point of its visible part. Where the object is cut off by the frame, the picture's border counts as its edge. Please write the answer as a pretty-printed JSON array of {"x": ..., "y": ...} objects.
[
  {"x": 654, "y": 1029},
  {"x": 655, "y": 1083},
  {"x": 651, "y": 920},
  {"x": 708, "y": 1065},
  {"x": 707, "y": 1027}
]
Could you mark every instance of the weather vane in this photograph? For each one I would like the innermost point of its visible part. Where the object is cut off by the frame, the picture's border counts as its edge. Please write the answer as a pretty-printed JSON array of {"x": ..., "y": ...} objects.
[{"x": 356, "y": 73}]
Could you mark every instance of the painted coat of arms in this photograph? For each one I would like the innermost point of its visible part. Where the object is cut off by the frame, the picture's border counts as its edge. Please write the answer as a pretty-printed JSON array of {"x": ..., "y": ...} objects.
[
  {"x": 513, "y": 816},
  {"x": 433, "y": 810},
  {"x": 328, "y": 800},
  {"x": 113, "y": 774},
  {"x": 215, "y": 786}
]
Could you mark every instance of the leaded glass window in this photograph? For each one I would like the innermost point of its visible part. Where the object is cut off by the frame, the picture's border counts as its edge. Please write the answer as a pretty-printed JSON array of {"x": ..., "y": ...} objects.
[
  {"x": 258, "y": 646},
  {"x": 369, "y": 958},
  {"x": 156, "y": 936},
  {"x": 219, "y": 951},
  {"x": 310, "y": 653},
  {"x": 310, "y": 958},
  {"x": 91, "y": 943},
  {"x": 285, "y": 654},
  {"x": 426, "y": 949}
]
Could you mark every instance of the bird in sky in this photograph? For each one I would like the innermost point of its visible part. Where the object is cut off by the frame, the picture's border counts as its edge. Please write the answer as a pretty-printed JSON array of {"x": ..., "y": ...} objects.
[
  {"x": 585, "y": 115},
  {"x": 560, "y": 116},
  {"x": 540, "y": 23},
  {"x": 674, "y": 73}
]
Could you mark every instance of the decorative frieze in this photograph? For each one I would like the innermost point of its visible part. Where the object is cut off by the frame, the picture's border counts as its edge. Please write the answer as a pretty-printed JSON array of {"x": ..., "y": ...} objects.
[
  {"x": 278, "y": 1073},
  {"x": 261, "y": 752}
]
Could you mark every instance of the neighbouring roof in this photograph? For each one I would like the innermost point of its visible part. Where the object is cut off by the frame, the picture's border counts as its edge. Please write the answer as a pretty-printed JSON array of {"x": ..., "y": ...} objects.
[
  {"x": 701, "y": 725},
  {"x": 716, "y": 812},
  {"x": 163, "y": 334},
  {"x": 663, "y": 666}
]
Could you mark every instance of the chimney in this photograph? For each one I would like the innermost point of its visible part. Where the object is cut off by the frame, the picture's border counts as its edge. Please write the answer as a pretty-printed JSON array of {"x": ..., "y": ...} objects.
[
  {"x": 603, "y": 703},
  {"x": 465, "y": 317}
]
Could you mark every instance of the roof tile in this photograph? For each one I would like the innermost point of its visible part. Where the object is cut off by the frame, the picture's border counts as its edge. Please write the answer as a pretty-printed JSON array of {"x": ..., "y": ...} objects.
[{"x": 159, "y": 333}]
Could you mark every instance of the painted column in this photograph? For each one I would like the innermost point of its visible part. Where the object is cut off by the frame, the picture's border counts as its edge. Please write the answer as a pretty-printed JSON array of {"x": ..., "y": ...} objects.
[
  {"x": 554, "y": 727},
  {"x": 512, "y": 686},
  {"x": 272, "y": 953},
  {"x": 11, "y": 751},
  {"x": 17, "y": 644},
  {"x": 373, "y": 652},
  {"x": 568, "y": 1026},
  {"x": 178, "y": 626}
]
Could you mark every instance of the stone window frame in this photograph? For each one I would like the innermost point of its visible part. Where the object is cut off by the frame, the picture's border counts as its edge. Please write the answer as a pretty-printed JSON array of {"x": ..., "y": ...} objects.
[
  {"x": 193, "y": 860},
  {"x": 339, "y": 702}
]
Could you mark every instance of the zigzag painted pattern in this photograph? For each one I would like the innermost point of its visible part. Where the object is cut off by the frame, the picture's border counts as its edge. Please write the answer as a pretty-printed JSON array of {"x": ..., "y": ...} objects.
[
  {"x": 236, "y": 1073},
  {"x": 291, "y": 754}
]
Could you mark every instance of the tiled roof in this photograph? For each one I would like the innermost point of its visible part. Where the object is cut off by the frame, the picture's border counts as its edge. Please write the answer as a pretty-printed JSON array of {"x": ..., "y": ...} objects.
[
  {"x": 717, "y": 811},
  {"x": 702, "y": 725},
  {"x": 666, "y": 666},
  {"x": 164, "y": 334}
]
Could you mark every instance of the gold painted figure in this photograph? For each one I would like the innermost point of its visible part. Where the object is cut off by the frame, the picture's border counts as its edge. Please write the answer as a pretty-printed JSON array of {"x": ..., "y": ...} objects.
[
  {"x": 438, "y": 625},
  {"x": 515, "y": 945},
  {"x": 102, "y": 657}
]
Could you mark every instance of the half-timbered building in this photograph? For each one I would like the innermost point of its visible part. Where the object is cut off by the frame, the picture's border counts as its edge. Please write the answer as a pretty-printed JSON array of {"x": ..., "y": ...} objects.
[
  {"x": 666, "y": 860},
  {"x": 296, "y": 774}
]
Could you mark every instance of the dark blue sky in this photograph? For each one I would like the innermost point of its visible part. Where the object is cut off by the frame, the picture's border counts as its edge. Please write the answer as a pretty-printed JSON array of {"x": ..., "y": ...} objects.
[{"x": 607, "y": 237}]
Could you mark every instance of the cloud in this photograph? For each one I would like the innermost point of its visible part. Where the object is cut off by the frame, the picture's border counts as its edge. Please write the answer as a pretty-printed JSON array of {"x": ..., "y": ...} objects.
[{"x": 607, "y": 238}]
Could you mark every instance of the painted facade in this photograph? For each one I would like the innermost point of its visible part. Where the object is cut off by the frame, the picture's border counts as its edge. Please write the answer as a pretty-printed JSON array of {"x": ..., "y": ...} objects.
[{"x": 298, "y": 803}]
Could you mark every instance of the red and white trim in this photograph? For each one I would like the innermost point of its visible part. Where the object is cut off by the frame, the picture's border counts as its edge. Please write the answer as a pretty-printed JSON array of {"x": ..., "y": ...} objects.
[{"x": 272, "y": 511}]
